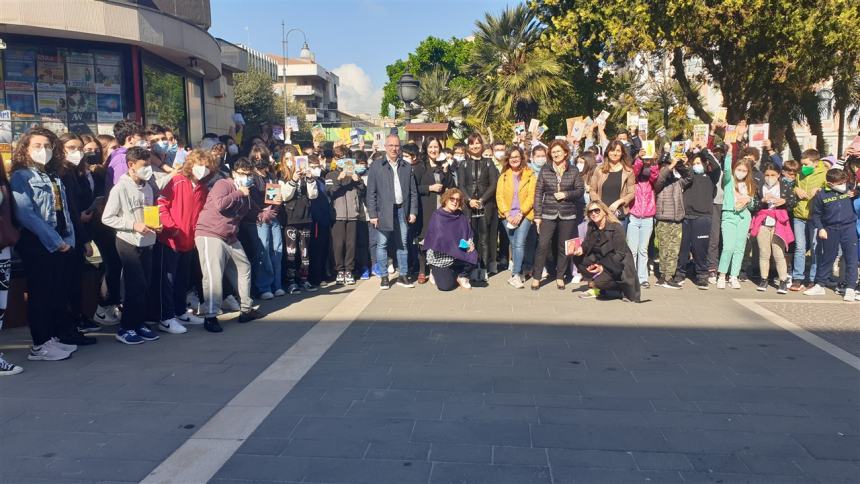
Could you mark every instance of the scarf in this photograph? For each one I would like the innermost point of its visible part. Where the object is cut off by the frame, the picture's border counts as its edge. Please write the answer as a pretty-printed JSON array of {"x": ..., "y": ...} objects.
[{"x": 444, "y": 233}]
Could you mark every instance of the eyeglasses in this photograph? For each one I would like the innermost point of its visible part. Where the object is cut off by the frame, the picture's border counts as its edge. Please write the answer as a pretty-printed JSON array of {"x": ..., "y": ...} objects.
[
  {"x": 455, "y": 200},
  {"x": 594, "y": 211}
]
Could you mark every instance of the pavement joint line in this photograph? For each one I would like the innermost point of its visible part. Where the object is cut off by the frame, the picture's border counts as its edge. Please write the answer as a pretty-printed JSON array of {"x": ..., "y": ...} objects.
[
  {"x": 814, "y": 340},
  {"x": 199, "y": 458}
]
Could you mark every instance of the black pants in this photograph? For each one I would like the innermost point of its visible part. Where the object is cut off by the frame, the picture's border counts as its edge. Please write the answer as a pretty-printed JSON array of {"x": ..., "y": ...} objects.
[
  {"x": 47, "y": 289},
  {"x": 75, "y": 284},
  {"x": 105, "y": 239},
  {"x": 481, "y": 233},
  {"x": 504, "y": 253},
  {"x": 136, "y": 273},
  {"x": 565, "y": 230},
  {"x": 362, "y": 246},
  {"x": 320, "y": 249},
  {"x": 297, "y": 247},
  {"x": 175, "y": 273},
  {"x": 446, "y": 277},
  {"x": 695, "y": 239},
  {"x": 343, "y": 236}
]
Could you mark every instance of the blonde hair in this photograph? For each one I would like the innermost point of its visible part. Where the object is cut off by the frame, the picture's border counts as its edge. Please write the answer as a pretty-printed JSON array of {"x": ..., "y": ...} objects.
[
  {"x": 193, "y": 158},
  {"x": 610, "y": 217}
]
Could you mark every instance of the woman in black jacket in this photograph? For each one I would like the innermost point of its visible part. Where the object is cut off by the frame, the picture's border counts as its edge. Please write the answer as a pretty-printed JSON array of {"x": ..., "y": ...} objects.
[
  {"x": 558, "y": 192},
  {"x": 432, "y": 178},
  {"x": 606, "y": 256}
]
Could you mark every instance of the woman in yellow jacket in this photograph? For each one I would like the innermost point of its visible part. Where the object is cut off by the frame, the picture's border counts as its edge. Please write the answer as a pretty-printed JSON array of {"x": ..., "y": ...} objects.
[{"x": 515, "y": 196}]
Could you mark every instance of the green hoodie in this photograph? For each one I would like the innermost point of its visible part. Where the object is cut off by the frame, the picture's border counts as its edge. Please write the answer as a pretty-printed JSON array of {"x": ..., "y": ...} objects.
[{"x": 817, "y": 179}]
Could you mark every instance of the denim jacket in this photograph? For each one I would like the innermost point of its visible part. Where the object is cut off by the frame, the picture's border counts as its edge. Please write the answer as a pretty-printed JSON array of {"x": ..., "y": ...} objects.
[{"x": 34, "y": 207}]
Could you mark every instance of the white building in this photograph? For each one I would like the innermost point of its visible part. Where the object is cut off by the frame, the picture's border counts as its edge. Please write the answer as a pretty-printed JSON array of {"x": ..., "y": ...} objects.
[
  {"x": 310, "y": 83},
  {"x": 261, "y": 62}
]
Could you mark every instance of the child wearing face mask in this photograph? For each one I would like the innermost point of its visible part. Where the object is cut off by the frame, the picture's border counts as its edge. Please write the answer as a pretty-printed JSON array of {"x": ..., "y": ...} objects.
[
  {"x": 809, "y": 181},
  {"x": 834, "y": 222},
  {"x": 698, "y": 209},
  {"x": 124, "y": 212},
  {"x": 642, "y": 211},
  {"x": 128, "y": 134},
  {"x": 771, "y": 225},
  {"x": 365, "y": 245},
  {"x": 298, "y": 188},
  {"x": 179, "y": 206},
  {"x": 739, "y": 198}
]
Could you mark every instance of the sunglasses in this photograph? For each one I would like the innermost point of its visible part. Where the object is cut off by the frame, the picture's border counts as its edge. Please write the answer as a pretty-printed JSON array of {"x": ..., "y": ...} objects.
[
  {"x": 458, "y": 200},
  {"x": 594, "y": 211}
]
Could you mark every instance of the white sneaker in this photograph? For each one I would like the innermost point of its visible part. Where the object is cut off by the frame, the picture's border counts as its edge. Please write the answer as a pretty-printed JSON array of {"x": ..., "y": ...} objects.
[
  {"x": 106, "y": 316},
  {"x": 432, "y": 279},
  {"x": 712, "y": 280},
  {"x": 576, "y": 279},
  {"x": 464, "y": 282},
  {"x": 516, "y": 281},
  {"x": 850, "y": 295},
  {"x": 190, "y": 318},
  {"x": 721, "y": 281},
  {"x": 815, "y": 290},
  {"x": 544, "y": 274},
  {"x": 7, "y": 369},
  {"x": 734, "y": 282},
  {"x": 172, "y": 326},
  {"x": 390, "y": 269},
  {"x": 280, "y": 292},
  {"x": 230, "y": 304},
  {"x": 62, "y": 346},
  {"x": 266, "y": 296},
  {"x": 47, "y": 352}
]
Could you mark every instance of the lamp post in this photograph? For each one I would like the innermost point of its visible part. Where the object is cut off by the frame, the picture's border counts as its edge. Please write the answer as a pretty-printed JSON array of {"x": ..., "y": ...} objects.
[
  {"x": 305, "y": 53},
  {"x": 407, "y": 91}
]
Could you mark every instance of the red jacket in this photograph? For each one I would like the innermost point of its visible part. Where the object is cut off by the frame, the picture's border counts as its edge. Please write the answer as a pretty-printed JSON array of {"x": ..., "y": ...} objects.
[{"x": 179, "y": 206}]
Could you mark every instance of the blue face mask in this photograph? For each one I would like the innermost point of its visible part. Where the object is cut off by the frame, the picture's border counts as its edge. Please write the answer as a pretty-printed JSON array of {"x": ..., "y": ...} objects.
[
  {"x": 172, "y": 148},
  {"x": 340, "y": 163},
  {"x": 698, "y": 169},
  {"x": 160, "y": 146},
  {"x": 360, "y": 169}
]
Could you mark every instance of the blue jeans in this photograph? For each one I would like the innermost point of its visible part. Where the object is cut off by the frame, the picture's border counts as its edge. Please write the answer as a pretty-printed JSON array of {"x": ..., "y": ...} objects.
[
  {"x": 398, "y": 236},
  {"x": 638, "y": 235},
  {"x": 802, "y": 239},
  {"x": 518, "y": 237},
  {"x": 268, "y": 275}
]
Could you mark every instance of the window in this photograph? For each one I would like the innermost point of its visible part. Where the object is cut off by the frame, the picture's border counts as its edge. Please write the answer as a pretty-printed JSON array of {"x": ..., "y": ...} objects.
[{"x": 164, "y": 99}]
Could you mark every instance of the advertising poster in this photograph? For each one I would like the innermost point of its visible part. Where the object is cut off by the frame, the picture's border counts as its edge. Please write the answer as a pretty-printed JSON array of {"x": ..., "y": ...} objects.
[
  {"x": 2, "y": 100},
  {"x": 73, "y": 57},
  {"x": 58, "y": 127},
  {"x": 50, "y": 75},
  {"x": 52, "y": 105},
  {"x": 5, "y": 131},
  {"x": 21, "y": 103},
  {"x": 19, "y": 128},
  {"x": 108, "y": 79},
  {"x": 84, "y": 123},
  {"x": 81, "y": 101},
  {"x": 80, "y": 76},
  {"x": 109, "y": 108},
  {"x": 20, "y": 68},
  {"x": 106, "y": 59}
]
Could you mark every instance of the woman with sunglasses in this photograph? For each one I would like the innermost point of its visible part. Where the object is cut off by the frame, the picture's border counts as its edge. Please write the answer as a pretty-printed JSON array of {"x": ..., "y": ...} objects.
[
  {"x": 558, "y": 190},
  {"x": 606, "y": 256},
  {"x": 450, "y": 245}
]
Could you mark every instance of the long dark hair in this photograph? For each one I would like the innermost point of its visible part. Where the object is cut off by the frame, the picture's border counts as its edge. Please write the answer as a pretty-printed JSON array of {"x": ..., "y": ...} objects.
[
  {"x": 424, "y": 146},
  {"x": 625, "y": 157}
]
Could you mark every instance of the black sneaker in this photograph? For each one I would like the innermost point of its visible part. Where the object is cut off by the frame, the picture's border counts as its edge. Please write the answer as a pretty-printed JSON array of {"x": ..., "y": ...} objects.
[
  {"x": 383, "y": 283},
  {"x": 702, "y": 284},
  {"x": 762, "y": 286},
  {"x": 743, "y": 277},
  {"x": 671, "y": 285},
  {"x": 86, "y": 326},
  {"x": 660, "y": 281},
  {"x": 78, "y": 339},
  {"x": 341, "y": 279},
  {"x": 249, "y": 315},
  {"x": 212, "y": 325},
  {"x": 403, "y": 281},
  {"x": 783, "y": 287}
]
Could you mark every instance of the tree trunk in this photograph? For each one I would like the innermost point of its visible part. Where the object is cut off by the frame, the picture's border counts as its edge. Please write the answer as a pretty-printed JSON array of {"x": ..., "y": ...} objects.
[
  {"x": 840, "y": 131},
  {"x": 793, "y": 144},
  {"x": 813, "y": 120},
  {"x": 691, "y": 95}
]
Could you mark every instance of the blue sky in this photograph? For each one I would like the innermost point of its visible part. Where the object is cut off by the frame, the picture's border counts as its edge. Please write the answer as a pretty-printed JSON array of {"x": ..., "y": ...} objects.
[{"x": 355, "y": 38}]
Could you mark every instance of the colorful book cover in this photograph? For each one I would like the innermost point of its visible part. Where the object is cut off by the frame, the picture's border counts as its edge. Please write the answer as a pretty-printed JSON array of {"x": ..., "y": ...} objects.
[
  {"x": 301, "y": 163},
  {"x": 534, "y": 124},
  {"x": 519, "y": 128},
  {"x": 602, "y": 117},
  {"x": 731, "y": 135},
  {"x": 758, "y": 134},
  {"x": 720, "y": 115},
  {"x": 643, "y": 127},
  {"x": 272, "y": 192},
  {"x": 650, "y": 148},
  {"x": 679, "y": 150},
  {"x": 349, "y": 166},
  {"x": 571, "y": 122},
  {"x": 700, "y": 134},
  {"x": 571, "y": 245},
  {"x": 632, "y": 121}
]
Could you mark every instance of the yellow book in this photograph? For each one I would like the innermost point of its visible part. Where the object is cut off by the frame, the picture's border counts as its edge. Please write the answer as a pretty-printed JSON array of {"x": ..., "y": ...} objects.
[{"x": 151, "y": 218}]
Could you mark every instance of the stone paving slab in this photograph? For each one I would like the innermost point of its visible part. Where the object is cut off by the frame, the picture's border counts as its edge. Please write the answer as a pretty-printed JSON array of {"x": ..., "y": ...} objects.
[
  {"x": 832, "y": 321},
  {"x": 113, "y": 412},
  {"x": 497, "y": 385}
]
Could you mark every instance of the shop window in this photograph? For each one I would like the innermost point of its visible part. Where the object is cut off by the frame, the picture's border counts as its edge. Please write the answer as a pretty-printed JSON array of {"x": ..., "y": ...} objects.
[{"x": 164, "y": 99}]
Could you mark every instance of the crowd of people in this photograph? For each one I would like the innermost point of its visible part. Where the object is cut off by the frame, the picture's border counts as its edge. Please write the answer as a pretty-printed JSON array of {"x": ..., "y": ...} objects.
[{"x": 185, "y": 235}]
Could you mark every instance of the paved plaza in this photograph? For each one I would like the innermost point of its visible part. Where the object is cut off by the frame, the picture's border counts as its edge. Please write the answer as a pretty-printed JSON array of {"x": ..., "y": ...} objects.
[{"x": 492, "y": 385}]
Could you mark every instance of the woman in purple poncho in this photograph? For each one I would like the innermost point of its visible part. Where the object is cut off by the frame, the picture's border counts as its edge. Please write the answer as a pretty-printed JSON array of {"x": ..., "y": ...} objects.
[{"x": 450, "y": 248}]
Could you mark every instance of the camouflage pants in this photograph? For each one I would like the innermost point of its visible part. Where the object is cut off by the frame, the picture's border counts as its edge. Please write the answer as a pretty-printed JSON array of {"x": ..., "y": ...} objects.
[{"x": 668, "y": 245}]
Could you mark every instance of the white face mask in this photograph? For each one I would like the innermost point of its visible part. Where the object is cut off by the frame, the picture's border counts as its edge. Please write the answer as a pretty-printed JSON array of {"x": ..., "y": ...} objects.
[
  {"x": 316, "y": 172},
  {"x": 144, "y": 173},
  {"x": 841, "y": 188},
  {"x": 41, "y": 156},
  {"x": 770, "y": 181},
  {"x": 459, "y": 157},
  {"x": 143, "y": 144},
  {"x": 499, "y": 155},
  {"x": 441, "y": 157},
  {"x": 74, "y": 157},
  {"x": 199, "y": 171},
  {"x": 539, "y": 160},
  {"x": 740, "y": 175},
  {"x": 233, "y": 150},
  {"x": 580, "y": 166}
]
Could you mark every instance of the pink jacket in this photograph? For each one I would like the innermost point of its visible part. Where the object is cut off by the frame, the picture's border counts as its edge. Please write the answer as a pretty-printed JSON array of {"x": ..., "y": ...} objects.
[
  {"x": 644, "y": 205},
  {"x": 782, "y": 229}
]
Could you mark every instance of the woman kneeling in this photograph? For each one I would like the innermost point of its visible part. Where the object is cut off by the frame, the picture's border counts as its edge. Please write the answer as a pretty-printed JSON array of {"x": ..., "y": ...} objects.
[{"x": 449, "y": 243}]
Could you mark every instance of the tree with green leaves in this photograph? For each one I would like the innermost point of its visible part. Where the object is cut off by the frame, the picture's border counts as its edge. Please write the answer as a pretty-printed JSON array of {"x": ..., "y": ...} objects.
[
  {"x": 258, "y": 102},
  {"x": 451, "y": 55}
]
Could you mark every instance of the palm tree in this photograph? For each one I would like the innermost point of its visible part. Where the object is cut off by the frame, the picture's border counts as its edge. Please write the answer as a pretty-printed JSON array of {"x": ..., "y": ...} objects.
[
  {"x": 435, "y": 96},
  {"x": 515, "y": 76}
]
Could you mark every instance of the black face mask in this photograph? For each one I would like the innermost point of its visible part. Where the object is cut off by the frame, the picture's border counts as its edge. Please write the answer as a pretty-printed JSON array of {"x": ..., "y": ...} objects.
[
  {"x": 91, "y": 158},
  {"x": 646, "y": 172}
]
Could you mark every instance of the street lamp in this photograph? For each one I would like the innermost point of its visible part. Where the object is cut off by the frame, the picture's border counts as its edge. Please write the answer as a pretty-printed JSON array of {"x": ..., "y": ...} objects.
[
  {"x": 304, "y": 54},
  {"x": 407, "y": 90}
]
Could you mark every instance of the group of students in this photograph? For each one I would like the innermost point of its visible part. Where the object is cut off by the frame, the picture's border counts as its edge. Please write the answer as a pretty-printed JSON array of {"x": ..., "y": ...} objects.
[{"x": 576, "y": 209}]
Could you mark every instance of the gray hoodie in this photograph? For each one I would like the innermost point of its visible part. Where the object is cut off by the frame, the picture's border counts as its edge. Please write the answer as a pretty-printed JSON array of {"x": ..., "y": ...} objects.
[{"x": 124, "y": 208}]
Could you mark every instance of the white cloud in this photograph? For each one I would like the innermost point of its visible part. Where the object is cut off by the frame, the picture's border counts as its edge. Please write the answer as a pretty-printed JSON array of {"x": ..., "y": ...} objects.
[{"x": 356, "y": 93}]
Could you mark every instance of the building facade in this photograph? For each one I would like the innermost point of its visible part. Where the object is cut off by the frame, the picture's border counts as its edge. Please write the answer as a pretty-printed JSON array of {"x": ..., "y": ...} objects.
[
  {"x": 311, "y": 84},
  {"x": 261, "y": 62},
  {"x": 83, "y": 65}
]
